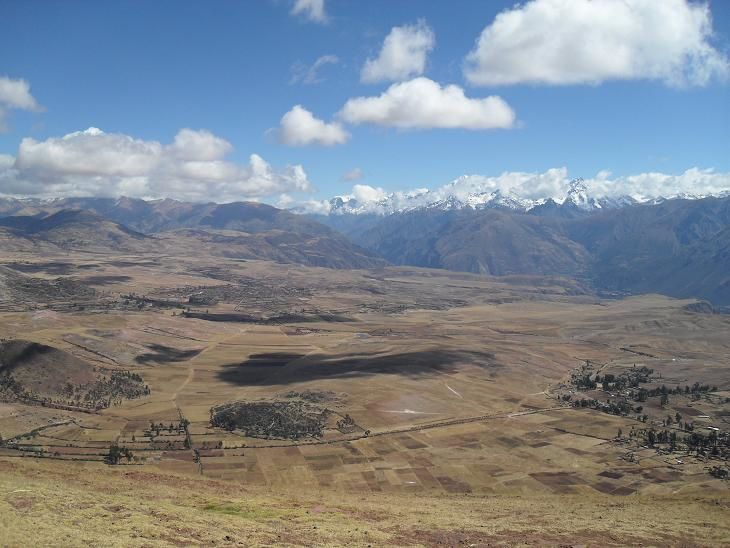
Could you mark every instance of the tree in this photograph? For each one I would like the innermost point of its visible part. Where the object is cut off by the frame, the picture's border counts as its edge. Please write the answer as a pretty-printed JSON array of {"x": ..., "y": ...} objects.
[{"x": 651, "y": 438}]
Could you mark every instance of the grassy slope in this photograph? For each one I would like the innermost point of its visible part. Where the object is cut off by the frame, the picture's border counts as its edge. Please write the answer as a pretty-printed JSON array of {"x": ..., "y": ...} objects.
[{"x": 53, "y": 503}]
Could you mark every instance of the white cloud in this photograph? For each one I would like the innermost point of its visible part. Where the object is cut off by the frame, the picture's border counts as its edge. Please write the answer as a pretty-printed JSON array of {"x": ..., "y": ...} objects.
[
  {"x": 402, "y": 56},
  {"x": 589, "y": 41},
  {"x": 15, "y": 94},
  {"x": 199, "y": 145},
  {"x": 311, "y": 9},
  {"x": 94, "y": 163},
  {"x": 422, "y": 103},
  {"x": 355, "y": 174},
  {"x": 304, "y": 74},
  {"x": 299, "y": 127},
  {"x": 285, "y": 201},
  {"x": 554, "y": 183},
  {"x": 367, "y": 193},
  {"x": 645, "y": 186}
]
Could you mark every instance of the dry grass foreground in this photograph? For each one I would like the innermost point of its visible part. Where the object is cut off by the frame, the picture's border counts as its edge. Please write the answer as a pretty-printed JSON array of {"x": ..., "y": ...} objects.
[{"x": 72, "y": 504}]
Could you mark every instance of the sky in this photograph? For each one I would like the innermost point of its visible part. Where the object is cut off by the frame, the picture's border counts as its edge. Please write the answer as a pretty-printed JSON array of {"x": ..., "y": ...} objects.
[{"x": 292, "y": 101}]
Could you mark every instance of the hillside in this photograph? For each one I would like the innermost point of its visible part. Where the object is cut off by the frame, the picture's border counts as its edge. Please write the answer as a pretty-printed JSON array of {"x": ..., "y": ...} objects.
[
  {"x": 76, "y": 229},
  {"x": 330, "y": 251},
  {"x": 36, "y": 373},
  {"x": 51, "y": 499},
  {"x": 41, "y": 369}
]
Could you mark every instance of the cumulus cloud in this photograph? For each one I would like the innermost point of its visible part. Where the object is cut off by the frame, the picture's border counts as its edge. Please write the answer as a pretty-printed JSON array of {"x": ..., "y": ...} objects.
[
  {"x": 590, "y": 41},
  {"x": 313, "y": 10},
  {"x": 367, "y": 193},
  {"x": 15, "y": 94},
  {"x": 532, "y": 187},
  {"x": 299, "y": 127},
  {"x": 354, "y": 174},
  {"x": 402, "y": 56},
  {"x": 304, "y": 74},
  {"x": 422, "y": 103},
  {"x": 95, "y": 163}
]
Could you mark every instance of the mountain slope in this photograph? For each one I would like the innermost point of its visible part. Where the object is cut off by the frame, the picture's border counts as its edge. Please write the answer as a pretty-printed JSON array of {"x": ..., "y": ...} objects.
[
  {"x": 677, "y": 247},
  {"x": 489, "y": 242}
]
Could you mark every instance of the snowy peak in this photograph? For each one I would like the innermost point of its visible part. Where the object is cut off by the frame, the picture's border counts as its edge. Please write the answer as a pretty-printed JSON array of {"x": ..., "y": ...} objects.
[{"x": 578, "y": 195}]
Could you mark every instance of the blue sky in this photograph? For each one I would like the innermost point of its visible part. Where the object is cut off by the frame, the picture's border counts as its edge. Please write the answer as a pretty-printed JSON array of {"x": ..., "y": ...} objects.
[{"x": 148, "y": 69}]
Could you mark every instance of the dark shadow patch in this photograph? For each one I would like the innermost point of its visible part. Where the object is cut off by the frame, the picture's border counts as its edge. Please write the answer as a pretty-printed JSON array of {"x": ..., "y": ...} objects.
[
  {"x": 131, "y": 263},
  {"x": 161, "y": 354},
  {"x": 273, "y": 359},
  {"x": 104, "y": 280},
  {"x": 258, "y": 370},
  {"x": 553, "y": 479},
  {"x": 611, "y": 475},
  {"x": 278, "y": 319},
  {"x": 55, "y": 268}
]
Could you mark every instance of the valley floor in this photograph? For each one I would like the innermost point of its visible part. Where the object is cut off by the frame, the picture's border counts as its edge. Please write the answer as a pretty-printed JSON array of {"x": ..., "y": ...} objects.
[{"x": 415, "y": 407}]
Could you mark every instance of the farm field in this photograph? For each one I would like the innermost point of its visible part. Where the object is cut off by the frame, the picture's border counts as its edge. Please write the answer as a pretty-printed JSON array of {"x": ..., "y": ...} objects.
[{"x": 260, "y": 392}]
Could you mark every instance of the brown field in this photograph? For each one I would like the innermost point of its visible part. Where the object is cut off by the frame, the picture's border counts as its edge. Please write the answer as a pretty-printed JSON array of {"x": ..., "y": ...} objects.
[{"x": 454, "y": 384}]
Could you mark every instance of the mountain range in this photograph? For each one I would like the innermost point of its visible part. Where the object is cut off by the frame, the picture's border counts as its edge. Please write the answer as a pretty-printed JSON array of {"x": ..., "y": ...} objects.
[
  {"x": 677, "y": 247},
  {"x": 621, "y": 245}
]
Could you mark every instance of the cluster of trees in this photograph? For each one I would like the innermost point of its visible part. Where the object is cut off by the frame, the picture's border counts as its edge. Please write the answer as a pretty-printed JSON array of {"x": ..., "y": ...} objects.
[
  {"x": 288, "y": 420},
  {"x": 346, "y": 424},
  {"x": 695, "y": 391},
  {"x": 140, "y": 301},
  {"x": 614, "y": 408},
  {"x": 116, "y": 454},
  {"x": 10, "y": 388},
  {"x": 630, "y": 378},
  {"x": 106, "y": 391},
  {"x": 719, "y": 472},
  {"x": 714, "y": 443},
  {"x": 156, "y": 429}
]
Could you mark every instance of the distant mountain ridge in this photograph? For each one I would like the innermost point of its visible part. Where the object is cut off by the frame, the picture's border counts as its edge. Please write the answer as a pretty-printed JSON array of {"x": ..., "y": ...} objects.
[{"x": 245, "y": 230}]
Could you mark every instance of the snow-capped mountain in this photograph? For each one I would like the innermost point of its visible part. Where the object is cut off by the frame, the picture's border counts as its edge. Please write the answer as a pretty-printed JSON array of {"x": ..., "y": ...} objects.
[
  {"x": 545, "y": 193},
  {"x": 464, "y": 194}
]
